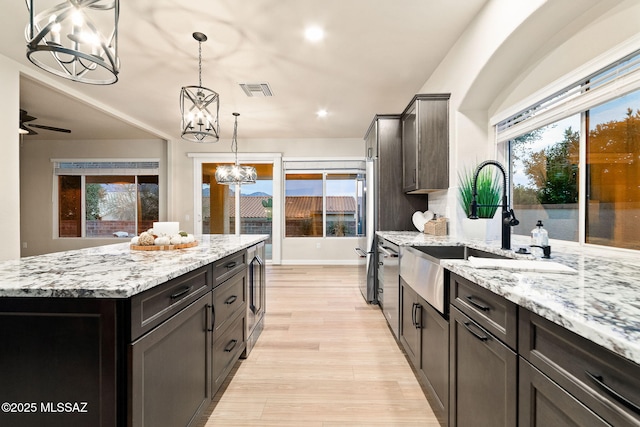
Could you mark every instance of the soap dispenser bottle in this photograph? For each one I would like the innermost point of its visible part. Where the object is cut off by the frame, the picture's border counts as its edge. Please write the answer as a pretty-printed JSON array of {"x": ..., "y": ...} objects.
[{"x": 539, "y": 236}]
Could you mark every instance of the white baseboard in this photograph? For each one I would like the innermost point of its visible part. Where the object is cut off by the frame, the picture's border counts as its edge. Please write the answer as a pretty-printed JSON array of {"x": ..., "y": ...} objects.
[{"x": 353, "y": 262}]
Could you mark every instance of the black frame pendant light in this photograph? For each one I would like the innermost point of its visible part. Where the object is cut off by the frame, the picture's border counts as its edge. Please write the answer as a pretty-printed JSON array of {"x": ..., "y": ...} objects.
[
  {"x": 235, "y": 174},
  {"x": 75, "y": 39},
  {"x": 199, "y": 106}
]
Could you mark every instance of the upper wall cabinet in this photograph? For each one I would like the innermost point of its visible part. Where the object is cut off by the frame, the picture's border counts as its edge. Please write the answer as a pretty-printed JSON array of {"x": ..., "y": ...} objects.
[{"x": 425, "y": 144}]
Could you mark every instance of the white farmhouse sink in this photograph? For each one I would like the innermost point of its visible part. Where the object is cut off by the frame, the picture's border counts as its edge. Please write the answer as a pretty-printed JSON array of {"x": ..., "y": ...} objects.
[{"x": 520, "y": 265}]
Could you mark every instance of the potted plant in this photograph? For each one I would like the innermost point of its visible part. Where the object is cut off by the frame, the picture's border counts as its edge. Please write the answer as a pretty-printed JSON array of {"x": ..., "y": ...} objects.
[
  {"x": 488, "y": 189},
  {"x": 489, "y": 192}
]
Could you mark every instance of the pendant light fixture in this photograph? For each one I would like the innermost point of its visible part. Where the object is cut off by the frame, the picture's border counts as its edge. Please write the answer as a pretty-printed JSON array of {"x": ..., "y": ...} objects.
[
  {"x": 235, "y": 174},
  {"x": 75, "y": 39},
  {"x": 199, "y": 106}
]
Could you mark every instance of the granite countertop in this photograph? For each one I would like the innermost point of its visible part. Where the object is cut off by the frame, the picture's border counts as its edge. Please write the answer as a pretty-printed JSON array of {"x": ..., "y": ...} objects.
[
  {"x": 600, "y": 301},
  {"x": 111, "y": 271}
]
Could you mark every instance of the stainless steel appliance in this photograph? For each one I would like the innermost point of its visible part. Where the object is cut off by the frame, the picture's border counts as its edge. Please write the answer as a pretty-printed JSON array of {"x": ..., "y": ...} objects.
[
  {"x": 389, "y": 283},
  {"x": 424, "y": 274},
  {"x": 256, "y": 295}
]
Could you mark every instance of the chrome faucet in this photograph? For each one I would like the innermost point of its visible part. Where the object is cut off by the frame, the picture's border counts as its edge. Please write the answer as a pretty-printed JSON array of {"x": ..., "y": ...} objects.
[{"x": 508, "y": 217}]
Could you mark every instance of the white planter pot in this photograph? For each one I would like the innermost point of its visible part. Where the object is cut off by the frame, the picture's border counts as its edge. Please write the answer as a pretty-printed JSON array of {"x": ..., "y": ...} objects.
[{"x": 483, "y": 229}]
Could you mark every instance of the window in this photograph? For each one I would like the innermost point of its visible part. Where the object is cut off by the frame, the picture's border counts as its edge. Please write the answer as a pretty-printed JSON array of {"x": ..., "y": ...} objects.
[
  {"x": 321, "y": 204},
  {"x": 545, "y": 178},
  {"x": 255, "y": 202},
  {"x": 106, "y": 199},
  {"x": 613, "y": 179},
  {"x": 575, "y": 159}
]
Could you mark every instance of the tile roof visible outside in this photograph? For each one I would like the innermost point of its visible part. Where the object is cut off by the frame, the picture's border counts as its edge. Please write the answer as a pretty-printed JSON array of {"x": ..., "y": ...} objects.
[{"x": 295, "y": 206}]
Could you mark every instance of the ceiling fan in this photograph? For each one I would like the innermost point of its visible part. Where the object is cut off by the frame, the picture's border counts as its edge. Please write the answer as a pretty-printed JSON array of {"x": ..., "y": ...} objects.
[{"x": 24, "y": 118}]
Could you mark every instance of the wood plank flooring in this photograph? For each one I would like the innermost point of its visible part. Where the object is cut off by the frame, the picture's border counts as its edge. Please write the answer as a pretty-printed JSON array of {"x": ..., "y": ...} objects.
[{"x": 324, "y": 359}]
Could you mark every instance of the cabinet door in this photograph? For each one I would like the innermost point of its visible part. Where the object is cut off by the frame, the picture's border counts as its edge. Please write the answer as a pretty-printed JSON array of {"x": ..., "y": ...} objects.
[
  {"x": 543, "y": 403},
  {"x": 170, "y": 370},
  {"x": 434, "y": 356},
  {"x": 410, "y": 319},
  {"x": 409, "y": 150},
  {"x": 58, "y": 350},
  {"x": 483, "y": 384}
]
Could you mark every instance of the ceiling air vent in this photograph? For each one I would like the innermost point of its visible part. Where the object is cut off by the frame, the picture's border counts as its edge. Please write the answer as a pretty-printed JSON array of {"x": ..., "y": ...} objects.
[{"x": 256, "y": 89}]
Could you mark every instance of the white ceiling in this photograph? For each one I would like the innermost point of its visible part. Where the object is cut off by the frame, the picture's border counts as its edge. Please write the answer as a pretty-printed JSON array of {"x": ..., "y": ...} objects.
[{"x": 376, "y": 55}]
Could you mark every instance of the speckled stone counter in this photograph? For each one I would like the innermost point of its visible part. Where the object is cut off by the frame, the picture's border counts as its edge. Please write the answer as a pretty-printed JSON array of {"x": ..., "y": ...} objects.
[
  {"x": 600, "y": 302},
  {"x": 112, "y": 271}
]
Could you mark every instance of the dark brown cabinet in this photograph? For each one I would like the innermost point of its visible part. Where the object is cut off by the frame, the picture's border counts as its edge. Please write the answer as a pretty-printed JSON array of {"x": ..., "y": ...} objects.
[
  {"x": 575, "y": 374},
  {"x": 410, "y": 317},
  {"x": 229, "y": 313},
  {"x": 57, "y": 350},
  {"x": 170, "y": 375},
  {"x": 483, "y": 361},
  {"x": 154, "y": 359},
  {"x": 424, "y": 334},
  {"x": 425, "y": 144},
  {"x": 544, "y": 403},
  {"x": 483, "y": 386},
  {"x": 393, "y": 207}
]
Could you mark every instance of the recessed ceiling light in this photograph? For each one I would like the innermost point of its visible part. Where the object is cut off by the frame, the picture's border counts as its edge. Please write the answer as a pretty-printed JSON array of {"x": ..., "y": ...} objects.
[
  {"x": 322, "y": 113},
  {"x": 314, "y": 34}
]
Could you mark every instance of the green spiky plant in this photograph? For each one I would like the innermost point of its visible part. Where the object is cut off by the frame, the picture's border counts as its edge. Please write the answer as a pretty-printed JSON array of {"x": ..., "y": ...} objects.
[{"x": 489, "y": 191}]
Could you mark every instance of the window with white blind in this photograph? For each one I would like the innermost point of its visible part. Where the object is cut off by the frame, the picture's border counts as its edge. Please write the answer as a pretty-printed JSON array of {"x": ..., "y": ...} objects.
[{"x": 575, "y": 159}]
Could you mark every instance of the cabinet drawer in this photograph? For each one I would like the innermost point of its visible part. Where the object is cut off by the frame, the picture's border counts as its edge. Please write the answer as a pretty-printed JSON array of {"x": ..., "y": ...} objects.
[
  {"x": 152, "y": 307},
  {"x": 228, "y": 266},
  {"x": 543, "y": 403},
  {"x": 226, "y": 350},
  {"x": 491, "y": 311},
  {"x": 603, "y": 381},
  {"x": 228, "y": 299}
]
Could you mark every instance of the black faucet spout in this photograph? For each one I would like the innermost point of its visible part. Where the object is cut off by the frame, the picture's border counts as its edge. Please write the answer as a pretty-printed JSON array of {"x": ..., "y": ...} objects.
[{"x": 508, "y": 217}]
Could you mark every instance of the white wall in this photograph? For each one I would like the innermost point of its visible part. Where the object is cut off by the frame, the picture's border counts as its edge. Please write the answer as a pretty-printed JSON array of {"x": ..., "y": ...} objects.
[
  {"x": 512, "y": 50},
  {"x": 294, "y": 250},
  {"x": 9, "y": 171}
]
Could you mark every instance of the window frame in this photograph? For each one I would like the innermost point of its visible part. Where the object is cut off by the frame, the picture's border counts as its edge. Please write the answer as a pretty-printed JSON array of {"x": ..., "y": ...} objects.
[
  {"x": 607, "y": 92},
  {"x": 97, "y": 171},
  {"x": 324, "y": 173}
]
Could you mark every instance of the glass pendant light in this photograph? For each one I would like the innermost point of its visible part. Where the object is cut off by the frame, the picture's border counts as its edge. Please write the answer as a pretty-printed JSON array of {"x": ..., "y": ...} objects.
[
  {"x": 235, "y": 174},
  {"x": 199, "y": 106}
]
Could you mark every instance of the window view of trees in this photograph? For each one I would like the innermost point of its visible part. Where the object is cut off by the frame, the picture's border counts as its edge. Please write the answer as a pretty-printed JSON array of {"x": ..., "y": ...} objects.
[
  {"x": 546, "y": 178},
  {"x": 613, "y": 183},
  {"x": 115, "y": 206}
]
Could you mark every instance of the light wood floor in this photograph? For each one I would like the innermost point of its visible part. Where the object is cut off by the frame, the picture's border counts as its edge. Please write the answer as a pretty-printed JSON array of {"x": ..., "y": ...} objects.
[{"x": 324, "y": 359}]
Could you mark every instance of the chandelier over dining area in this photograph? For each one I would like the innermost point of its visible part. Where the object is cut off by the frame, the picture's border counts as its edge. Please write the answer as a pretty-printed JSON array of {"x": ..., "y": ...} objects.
[
  {"x": 235, "y": 174},
  {"x": 75, "y": 39}
]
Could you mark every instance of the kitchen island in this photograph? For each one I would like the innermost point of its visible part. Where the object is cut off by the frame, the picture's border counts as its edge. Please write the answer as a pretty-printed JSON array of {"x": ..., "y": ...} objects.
[
  {"x": 110, "y": 336},
  {"x": 570, "y": 338}
]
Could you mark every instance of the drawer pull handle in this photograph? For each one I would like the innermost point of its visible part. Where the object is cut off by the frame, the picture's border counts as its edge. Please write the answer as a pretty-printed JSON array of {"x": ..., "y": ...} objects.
[
  {"x": 479, "y": 305},
  {"x": 467, "y": 325},
  {"x": 416, "y": 315},
  {"x": 231, "y": 300},
  {"x": 231, "y": 264},
  {"x": 617, "y": 396},
  {"x": 231, "y": 346},
  {"x": 181, "y": 292},
  {"x": 207, "y": 320}
]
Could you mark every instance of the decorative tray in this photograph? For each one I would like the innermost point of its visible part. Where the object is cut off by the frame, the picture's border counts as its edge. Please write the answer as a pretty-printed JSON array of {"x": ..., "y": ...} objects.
[{"x": 163, "y": 247}]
